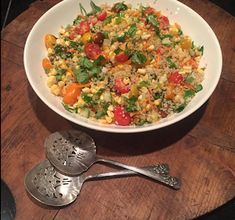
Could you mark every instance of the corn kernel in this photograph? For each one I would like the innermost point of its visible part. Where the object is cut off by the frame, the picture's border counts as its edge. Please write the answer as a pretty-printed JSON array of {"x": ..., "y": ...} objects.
[
  {"x": 108, "y": 119},
  {"x": 55, "y": 89},
  {"x": 126, "y": 80},
  {"x": 110, "y": 108},
  {"x": 110, "y": 114},
  {"x": 141, "y": 71},
  {"x": 61, "y": 84},
  {"x": 148, "y": 106},
  {"x": 51, "y": 81},
  {"x": 157, "y": 102}
]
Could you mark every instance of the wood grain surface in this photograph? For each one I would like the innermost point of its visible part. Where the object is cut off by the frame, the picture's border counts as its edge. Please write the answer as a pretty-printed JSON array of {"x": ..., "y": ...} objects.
[{"x": 200, "y": 149}]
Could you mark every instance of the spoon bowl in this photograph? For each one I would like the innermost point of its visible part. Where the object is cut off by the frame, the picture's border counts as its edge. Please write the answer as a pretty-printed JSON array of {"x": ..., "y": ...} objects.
[
  {"x": 50, "y": 187},
  {"x": 71, "y": 152}
]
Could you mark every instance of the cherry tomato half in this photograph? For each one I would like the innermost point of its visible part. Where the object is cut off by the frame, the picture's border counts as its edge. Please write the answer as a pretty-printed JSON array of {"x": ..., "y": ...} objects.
[
  {"x": 120, "y": 86},
  {"x": 82, "y": 28},
  {"x": 121, "y": 57},
  {"x": 92, "y": 51},
  {"x": 175, "y": 77},
  {"x": 121, "y": 117},
  {"x": 164, "y": 22},
  {"x": 92, "y": 20},
  {"x": 149, "y": 10},
  {"x": 102, "y": 15},
  {"x": 71, "y": 93}
]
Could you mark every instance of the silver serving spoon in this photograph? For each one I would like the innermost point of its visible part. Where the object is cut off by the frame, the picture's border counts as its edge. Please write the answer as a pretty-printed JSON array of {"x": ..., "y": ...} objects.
[
  {"x": 52, "y": 188},
  {"x": 73, "y": 152}
]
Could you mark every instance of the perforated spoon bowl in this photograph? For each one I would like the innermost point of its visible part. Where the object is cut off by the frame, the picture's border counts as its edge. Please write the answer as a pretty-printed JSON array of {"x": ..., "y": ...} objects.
[
  {"x": 48, "y": 186},
  {"x": 73, "y": 152}
]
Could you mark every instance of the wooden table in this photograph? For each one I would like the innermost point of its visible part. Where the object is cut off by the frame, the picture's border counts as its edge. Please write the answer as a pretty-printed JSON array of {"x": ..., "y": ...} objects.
[{"x": 200, "y": 149}]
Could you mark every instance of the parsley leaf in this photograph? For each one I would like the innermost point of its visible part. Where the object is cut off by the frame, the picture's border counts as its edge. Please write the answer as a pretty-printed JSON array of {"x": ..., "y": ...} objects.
[
  {"x": 201, "y": 49},
  {"x": 131, "y": 104},
  {"x": 172, "y": 65},
  {"x": 198, "y": 88},
  {"x": 131, "y": 31},
  {"x": 84, "y": 62},
  {"x": 108, "y": 20},
  {"x": 152, "y": 19},
  {"x": 94, "y": 7},
  {"x": 81, "y": 75},
  {"x": 138, "y": 58}
]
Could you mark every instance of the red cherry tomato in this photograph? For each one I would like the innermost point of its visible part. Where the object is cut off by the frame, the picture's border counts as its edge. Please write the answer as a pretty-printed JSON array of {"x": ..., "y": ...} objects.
[
  {"x": 92, "y": 20},
  {"x": 120, "y": 86},
  {"x": 121, "y": 117},
  {"x": 102, "y": 15},
  {"x": 82, "y": 28},
  {"x": 121, "y": 57},
  {"x": 175, "y": 77},
  {"x": 159, "y": 51},
  {"x": 72, "y": 35},
  {"x": 149, "y": 10},
  {"x": 164, "y": 22},
  {"x": 92, "y": 51}
]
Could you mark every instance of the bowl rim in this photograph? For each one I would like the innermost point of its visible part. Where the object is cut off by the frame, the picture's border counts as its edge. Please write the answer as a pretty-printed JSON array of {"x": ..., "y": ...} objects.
[{"x": 125, "y": 129}]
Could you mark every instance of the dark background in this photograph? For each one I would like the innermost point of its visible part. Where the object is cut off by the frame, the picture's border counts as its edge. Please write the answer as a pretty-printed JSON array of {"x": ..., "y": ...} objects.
[{"x": 12, "y": 8}]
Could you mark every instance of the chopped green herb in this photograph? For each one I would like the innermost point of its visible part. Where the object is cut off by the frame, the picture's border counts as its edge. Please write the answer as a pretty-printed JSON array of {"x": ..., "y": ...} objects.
[
  {"x": 84, "y": 62},
  {"x": 120, "y": 6},
  {"x": 83, "y": 10},
  {"x": 131, "y": 104},
  {"x": 118, "y": 20},
  {"x": 59, "y": 49},
  {"x": 94, "y": 7},
  {"x": 121, "y": 15},
  {"x": 201, "y": 49},
  {"x": 95, "y": 71},
  {"x": 86, "y": 98},
  {"x": 198, "y": 88},
  {"x": 74, "y": 44},
  {"x": 122, "y": 37},
  {"x": 77, "y": 20},
  {"x": 102, "y": 111},
  {"x": 172, "y": 65},
  {"x": 106, "y": 34},
  {"x": 59, "y": 73},
  {"x": 108, "y": 20},
  {"x": 193, "y": 45},
  {"x": 127, "y": 51},
  {"x": 99, "y": 60},
  {"x": 180, "y": 108},
  {"x": 81, "y": 75},
  {"x": 157, "y": 95},
  {"x": 180, "y": 32},
  {"x": 166, "y": 36},
  {"x": 188, "y": 94},
  {"x": 152, "y": 19},
  {"x": 143, "y": 84},
  {"x": 117, "y": 51},
  {"x": 138, "y": 58},
  {"x": 69, "y": 109},
  {"x": 131, "y": 31},
  {"x": 190, "y": 79}
]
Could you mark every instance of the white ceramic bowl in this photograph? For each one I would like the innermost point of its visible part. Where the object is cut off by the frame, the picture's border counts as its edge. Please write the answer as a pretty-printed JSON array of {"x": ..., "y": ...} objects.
[{"x": 65, "y": 12}]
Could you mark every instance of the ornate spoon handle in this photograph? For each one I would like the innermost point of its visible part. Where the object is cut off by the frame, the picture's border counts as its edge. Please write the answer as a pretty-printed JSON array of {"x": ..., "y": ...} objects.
[{"x": 158, "y": 172}]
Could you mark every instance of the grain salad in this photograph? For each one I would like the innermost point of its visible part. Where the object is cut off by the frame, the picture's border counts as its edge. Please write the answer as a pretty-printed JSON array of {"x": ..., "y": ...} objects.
[{"x": 123, "y": 65}]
